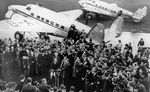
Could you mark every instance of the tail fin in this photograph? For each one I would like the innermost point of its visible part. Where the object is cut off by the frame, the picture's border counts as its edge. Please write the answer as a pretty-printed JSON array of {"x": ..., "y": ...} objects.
[
  {"x": 115, "y": 31},
  {"x": 97, "y": 33},
  {"x": 117, "y": 27},
  {"x": 144, "y": 9},
  {"x": 140, "y": 14}
]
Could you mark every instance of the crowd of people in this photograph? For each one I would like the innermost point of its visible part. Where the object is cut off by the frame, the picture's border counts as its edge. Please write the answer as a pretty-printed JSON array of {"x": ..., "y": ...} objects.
[
  {"x": 28, "y": 85},
  {"x": 78, "y": 64}
]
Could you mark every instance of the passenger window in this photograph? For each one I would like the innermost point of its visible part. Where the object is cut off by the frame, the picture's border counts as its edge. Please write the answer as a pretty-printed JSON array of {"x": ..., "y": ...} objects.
[
  {"x": 57, "y": 25},
  {"x": 32, "y": 14},
  {"x": 62, "y": 27},
  {"x": 42, "y": 19},
  {"x": 38, "y": 17},
  {"x": 52, "y": 23},
  {"x": 47, "y": 21}
]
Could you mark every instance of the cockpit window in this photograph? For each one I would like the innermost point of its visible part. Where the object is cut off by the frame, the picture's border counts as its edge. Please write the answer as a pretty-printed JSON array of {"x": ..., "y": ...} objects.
[{"x": 28, "y": 8}]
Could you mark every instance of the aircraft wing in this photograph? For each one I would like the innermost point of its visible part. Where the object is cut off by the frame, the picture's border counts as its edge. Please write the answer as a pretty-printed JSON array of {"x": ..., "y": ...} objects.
[
  {"x": 116, "y": 33},
  {"x": 128, "y": 37},
  {"x": 73, "y": 14}
]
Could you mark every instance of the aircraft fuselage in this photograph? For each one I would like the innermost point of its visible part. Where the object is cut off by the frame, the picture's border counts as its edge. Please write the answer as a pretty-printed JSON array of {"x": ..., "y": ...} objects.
[
  {"x": 111, "y": 10},
  {"x": 49, "y": 21}
]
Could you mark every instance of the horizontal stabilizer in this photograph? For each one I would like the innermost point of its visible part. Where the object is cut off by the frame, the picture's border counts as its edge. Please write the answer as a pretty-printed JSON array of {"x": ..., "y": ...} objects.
[{"x": 140, "y": 14}]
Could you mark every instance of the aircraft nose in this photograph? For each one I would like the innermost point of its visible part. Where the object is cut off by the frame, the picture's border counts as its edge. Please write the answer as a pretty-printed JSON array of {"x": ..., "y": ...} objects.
[
  {"x": 10, "y": 7},
  {"x": 81, "y": 2}
]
